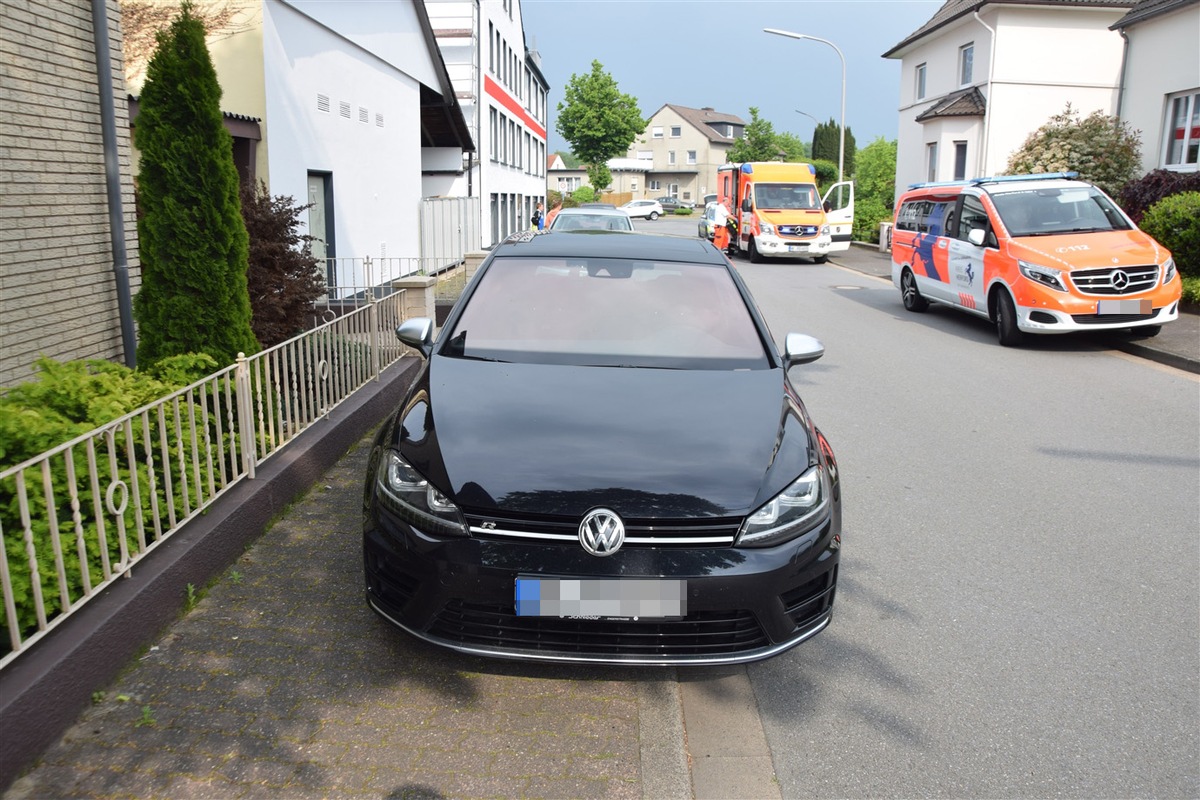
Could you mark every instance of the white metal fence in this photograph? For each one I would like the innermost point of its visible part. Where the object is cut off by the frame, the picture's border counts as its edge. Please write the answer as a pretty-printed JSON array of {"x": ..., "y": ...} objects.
[{"x": 77, "y": 517}]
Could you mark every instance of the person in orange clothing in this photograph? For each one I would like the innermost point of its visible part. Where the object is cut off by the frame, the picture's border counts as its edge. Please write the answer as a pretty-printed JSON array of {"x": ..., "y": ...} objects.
[
  {"x": 721, "y": 227},
  {"x": 552, "y": 213}
]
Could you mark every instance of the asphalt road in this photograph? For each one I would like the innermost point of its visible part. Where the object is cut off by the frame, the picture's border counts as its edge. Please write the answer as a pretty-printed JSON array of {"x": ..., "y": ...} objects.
[{"x": 1019, "y": 604}]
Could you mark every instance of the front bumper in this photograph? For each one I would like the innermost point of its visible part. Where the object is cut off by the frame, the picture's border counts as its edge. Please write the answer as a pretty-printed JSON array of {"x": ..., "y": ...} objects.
[
  {"x": 1043, "y": 310},
  {"x": 743, "y": 604},
  {"x": 781, "y": 247}
]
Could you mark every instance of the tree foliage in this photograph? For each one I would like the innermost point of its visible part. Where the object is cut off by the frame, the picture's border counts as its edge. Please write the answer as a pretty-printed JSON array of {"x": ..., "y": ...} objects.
[
  {"x": 599, "y": 121},
  {"x": 874, "y": 188},
  {"x": 142, "y": 20},
  {"x": 1102, "y": 149},
  {"x": 192, "y": 240},
  {"x": 792, "y": 146},
  {"x": 758, "y": 143},
  {"x": 1137, "y": 196},
  {"x": 284, "y": 277},
  {"x": 827, "y": 143}
]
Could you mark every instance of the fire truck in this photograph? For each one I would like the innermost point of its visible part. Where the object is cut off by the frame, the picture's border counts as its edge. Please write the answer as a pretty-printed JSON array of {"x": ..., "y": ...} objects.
[{"x": 781, "y": 213}]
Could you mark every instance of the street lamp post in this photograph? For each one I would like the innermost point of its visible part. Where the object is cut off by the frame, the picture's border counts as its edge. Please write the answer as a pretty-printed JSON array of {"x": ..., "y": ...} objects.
[{"x": 842, "y": 131}]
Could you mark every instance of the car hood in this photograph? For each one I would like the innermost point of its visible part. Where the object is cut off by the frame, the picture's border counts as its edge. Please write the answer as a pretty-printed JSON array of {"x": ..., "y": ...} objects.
[
  {"x": 1090, "y": 250},
  {"x": 562, "y": 440}
]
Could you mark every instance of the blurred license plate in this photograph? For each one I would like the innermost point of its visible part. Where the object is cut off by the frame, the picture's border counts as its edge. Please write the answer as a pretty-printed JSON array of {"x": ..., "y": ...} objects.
[
  {"x": 624, "y": 598},
  {"x": 1123, "y": 307},
  {"x": 797, "y": 248}
]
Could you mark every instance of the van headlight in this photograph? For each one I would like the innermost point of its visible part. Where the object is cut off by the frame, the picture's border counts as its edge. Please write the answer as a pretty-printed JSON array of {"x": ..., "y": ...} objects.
[
  {"x": 1168, "y": 271},
  {"x": 795, "y": 511},
  {"x": 1046, "y": 276},
  {"x": 412, "y": 498},
  {"x": 766, "y": 228},
  {"x": 824, "y": 230}
]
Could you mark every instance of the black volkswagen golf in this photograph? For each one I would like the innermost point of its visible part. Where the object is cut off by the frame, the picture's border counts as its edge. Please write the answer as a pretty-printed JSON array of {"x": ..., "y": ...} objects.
[{"x": 603, "y": 460}]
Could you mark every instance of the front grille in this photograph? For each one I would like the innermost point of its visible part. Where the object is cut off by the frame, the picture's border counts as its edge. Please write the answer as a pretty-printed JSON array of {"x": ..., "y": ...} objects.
[
  {"x": 798, "y": 230},
  {"x": 1115, "y": 280},
  {"x": 715, "y": 532},
  {"x": 701, "y": 634},
  {"x": 1105, "y": 319}
]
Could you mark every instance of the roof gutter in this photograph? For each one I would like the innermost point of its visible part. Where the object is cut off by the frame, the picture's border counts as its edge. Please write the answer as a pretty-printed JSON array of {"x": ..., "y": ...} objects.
[{"x": 112, "y": 180}]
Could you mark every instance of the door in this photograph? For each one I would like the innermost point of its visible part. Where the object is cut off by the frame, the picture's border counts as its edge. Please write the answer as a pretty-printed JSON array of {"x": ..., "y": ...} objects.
[
  {"x": 839, "y": 204},
  {"x": 965, "y": 265},
  {"x": 320, "y": 222}
]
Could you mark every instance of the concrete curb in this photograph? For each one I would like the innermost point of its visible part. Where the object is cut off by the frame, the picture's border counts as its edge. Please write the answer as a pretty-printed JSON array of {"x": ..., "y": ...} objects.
[{"x": 43, "y": 692}]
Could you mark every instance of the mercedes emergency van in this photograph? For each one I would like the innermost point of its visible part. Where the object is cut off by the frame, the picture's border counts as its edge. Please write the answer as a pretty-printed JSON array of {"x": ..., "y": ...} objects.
[{"x": 1032, "y": 253}]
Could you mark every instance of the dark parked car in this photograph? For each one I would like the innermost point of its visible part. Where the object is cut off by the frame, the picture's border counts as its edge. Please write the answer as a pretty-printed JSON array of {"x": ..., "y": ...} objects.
[
  {"x": 603, "y": 459},
  {"x": 671, "y": 203}
]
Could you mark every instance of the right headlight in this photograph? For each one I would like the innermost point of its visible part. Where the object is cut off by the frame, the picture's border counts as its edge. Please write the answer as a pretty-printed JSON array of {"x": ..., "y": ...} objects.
[
  {"x": 1168, "y": 271},
  {"x": 1046, "y": 276},
  {"x": 796, "y": 510},
  {"x": 406, "y": 492}
]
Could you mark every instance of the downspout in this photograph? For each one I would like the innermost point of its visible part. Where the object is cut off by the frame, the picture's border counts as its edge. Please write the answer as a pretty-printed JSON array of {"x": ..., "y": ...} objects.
[
  {"x": 987, "y": 113},
  {"x": 112, "y": 179},
  {"x": 1124, "y": 66}
]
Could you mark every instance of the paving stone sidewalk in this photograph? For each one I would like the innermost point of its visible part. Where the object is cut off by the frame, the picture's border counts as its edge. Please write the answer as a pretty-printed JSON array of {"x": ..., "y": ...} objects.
[{"x": 281, "y": 683}]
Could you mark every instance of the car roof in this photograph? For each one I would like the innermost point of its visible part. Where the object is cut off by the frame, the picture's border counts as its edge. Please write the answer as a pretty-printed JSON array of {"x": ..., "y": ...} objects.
[
  {"x": 594, "y": 211},
  {"x": 611, "y": 244}
]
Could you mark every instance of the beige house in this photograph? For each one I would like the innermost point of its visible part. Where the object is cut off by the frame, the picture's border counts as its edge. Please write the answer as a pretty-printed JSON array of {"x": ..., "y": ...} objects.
[{"x": 684, "y": 147}]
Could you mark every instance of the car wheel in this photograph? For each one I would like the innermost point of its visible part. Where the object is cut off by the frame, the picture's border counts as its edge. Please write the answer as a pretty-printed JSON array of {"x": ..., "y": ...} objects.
[
  {"x": 910, "y": 294},
  {"x": 820, "y": 259},
  {"x": 1006, "y": 320},
  {"x": 1147, "y": 331},
  {"x": 653, "y": 215},
  {"x": 755, "y": 256}
]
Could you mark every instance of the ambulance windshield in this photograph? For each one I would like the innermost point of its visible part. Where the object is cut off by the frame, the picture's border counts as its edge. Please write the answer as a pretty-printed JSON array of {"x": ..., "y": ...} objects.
[
  {"x": 1051, "y": 211},
  {"x": 786, "y": 196}
]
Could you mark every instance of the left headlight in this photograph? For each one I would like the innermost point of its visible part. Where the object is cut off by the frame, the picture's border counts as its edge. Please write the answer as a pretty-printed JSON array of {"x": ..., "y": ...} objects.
[
  {"x": 1168, "y": 271},
  {"x": 1046, "y": 276},
  {"x": 794, "y": 511},
  {"x": 406, "y": 492}
]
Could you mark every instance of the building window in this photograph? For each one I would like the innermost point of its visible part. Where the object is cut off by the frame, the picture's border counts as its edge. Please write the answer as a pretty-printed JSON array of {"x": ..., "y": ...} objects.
[
  {"x": 966, "y": 64},
  {"x": 931, "y": 161},
  {"x": 676, "y": 131},
  {"x": 654, "y": 186},
  {"x": 673, "y": 190},
  {"x": 920, "y": 81},
  {"x": 657, "y": 132},
  {"x": 633, "y": 184},
  {"x": 645, "y": 155},
  {"x": 960, "y": 161},
  {"x": 671, "y": 157},
  {"x": 495, "y": 138},
  {"x": 691, "y": 156},
  {"x": 1182, "y": 131}
]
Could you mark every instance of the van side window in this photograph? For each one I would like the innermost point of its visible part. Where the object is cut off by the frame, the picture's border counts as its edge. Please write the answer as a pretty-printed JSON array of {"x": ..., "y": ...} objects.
[
  {"x": 923, "y": 216},
  {"x": 972, "y": 215}
]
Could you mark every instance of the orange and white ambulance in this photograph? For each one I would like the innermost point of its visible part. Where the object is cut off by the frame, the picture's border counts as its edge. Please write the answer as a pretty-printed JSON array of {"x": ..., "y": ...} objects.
[
  {"x": 781, "y": 214},
  {"x": 1032, "y": 253}
]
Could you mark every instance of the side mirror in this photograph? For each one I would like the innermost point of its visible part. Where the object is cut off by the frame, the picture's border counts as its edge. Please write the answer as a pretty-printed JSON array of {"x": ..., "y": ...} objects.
[
  {"x": 800, "y": 348},
  {"x": 417, "y": 333},
  {"x": 747, "y": 205},
  {"x": 976, "y": 236}
]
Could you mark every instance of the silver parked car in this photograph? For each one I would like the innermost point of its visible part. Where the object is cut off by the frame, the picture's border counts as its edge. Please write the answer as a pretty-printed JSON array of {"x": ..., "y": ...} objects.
[{"x": 591, "y": 219}]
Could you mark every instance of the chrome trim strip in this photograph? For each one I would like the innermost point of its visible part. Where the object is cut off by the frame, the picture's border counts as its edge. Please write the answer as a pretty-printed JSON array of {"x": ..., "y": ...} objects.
[
  {"x": 562, "y": 537},
  {"x": 649, "y": 661}
]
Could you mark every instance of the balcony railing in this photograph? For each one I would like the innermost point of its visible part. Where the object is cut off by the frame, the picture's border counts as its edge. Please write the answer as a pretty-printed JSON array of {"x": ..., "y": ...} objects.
[{"x": 91, "y": 508}]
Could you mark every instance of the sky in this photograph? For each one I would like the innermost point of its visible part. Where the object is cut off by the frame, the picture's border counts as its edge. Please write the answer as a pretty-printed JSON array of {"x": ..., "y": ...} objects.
[{"x": 714, "y": 53}]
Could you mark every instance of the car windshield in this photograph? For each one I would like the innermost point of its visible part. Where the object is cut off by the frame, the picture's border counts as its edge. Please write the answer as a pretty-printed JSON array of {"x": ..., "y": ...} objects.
[
  {"x": 786, "y": 196},
  {"x": 609, "y": 313},
  {"x": 1054, "y": 210},
  {"x": 591, "y": 222}
]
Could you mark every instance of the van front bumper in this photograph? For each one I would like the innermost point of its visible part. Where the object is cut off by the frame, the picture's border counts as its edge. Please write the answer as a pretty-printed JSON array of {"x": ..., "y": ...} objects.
[
  {"x": 1039, "y": 319},
  {"x": 779, "y": 247}
]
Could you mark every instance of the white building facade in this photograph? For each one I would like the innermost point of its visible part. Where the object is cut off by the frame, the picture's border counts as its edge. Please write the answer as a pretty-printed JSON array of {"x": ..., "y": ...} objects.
[
  {"x": 980, "y": 76},
  {"x": 1161, "y": 88},
  {"x": 504, "y": 98}
]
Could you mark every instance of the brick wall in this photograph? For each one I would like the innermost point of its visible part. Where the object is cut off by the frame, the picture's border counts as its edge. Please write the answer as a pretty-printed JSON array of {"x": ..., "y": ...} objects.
[{"x": 57, "y": 288}]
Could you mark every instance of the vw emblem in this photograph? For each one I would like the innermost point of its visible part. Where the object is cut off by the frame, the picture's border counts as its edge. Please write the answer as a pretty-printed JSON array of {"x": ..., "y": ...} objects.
[
  {"x": 602, "y": 533},
  {"x": 1120, "y": 280}
]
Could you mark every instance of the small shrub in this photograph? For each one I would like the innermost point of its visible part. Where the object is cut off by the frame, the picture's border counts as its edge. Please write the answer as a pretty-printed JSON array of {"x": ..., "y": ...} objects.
[
  {"x": 827, "y": 173},
  {"x": 683, "y": 211},
  {"x": 1191, "y": 290},
  {"x": 1102, "y": 149},
  {"x": 868, "y": 213},
  {"x": 584, "y": 194},
  {"x": 1175, "y": 222},
  {"x": 1137, "y": 196}
]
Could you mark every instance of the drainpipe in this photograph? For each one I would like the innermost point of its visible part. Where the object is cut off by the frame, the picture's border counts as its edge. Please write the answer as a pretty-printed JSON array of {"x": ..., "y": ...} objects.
[
  {"x": 112, "y": 178},
  {"x": 1124, "y": 65},
  {"x": 987, "y": 114}
]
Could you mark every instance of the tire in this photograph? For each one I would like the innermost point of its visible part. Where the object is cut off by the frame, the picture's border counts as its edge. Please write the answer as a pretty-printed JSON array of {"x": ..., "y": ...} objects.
[
  {"x": 653, "y": 215},
  {"x": 910, "y": 294},
  {"x": 755, "y": 256},
  {"x": 1006, "y": 321},
  {"x": 820, "y": 259}
]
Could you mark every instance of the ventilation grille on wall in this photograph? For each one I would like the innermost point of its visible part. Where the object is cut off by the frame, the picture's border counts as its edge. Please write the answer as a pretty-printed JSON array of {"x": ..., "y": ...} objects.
[
  {"x": 344, "y": 107},
  {"x": 323, "y": 103},
  {"x": 363, "y": 117},
  {"x": 379, "y": 120}
]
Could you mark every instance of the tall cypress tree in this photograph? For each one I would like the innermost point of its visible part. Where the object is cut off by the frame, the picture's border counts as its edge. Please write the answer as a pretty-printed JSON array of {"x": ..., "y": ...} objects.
[{"x": 192, "y": 240}]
